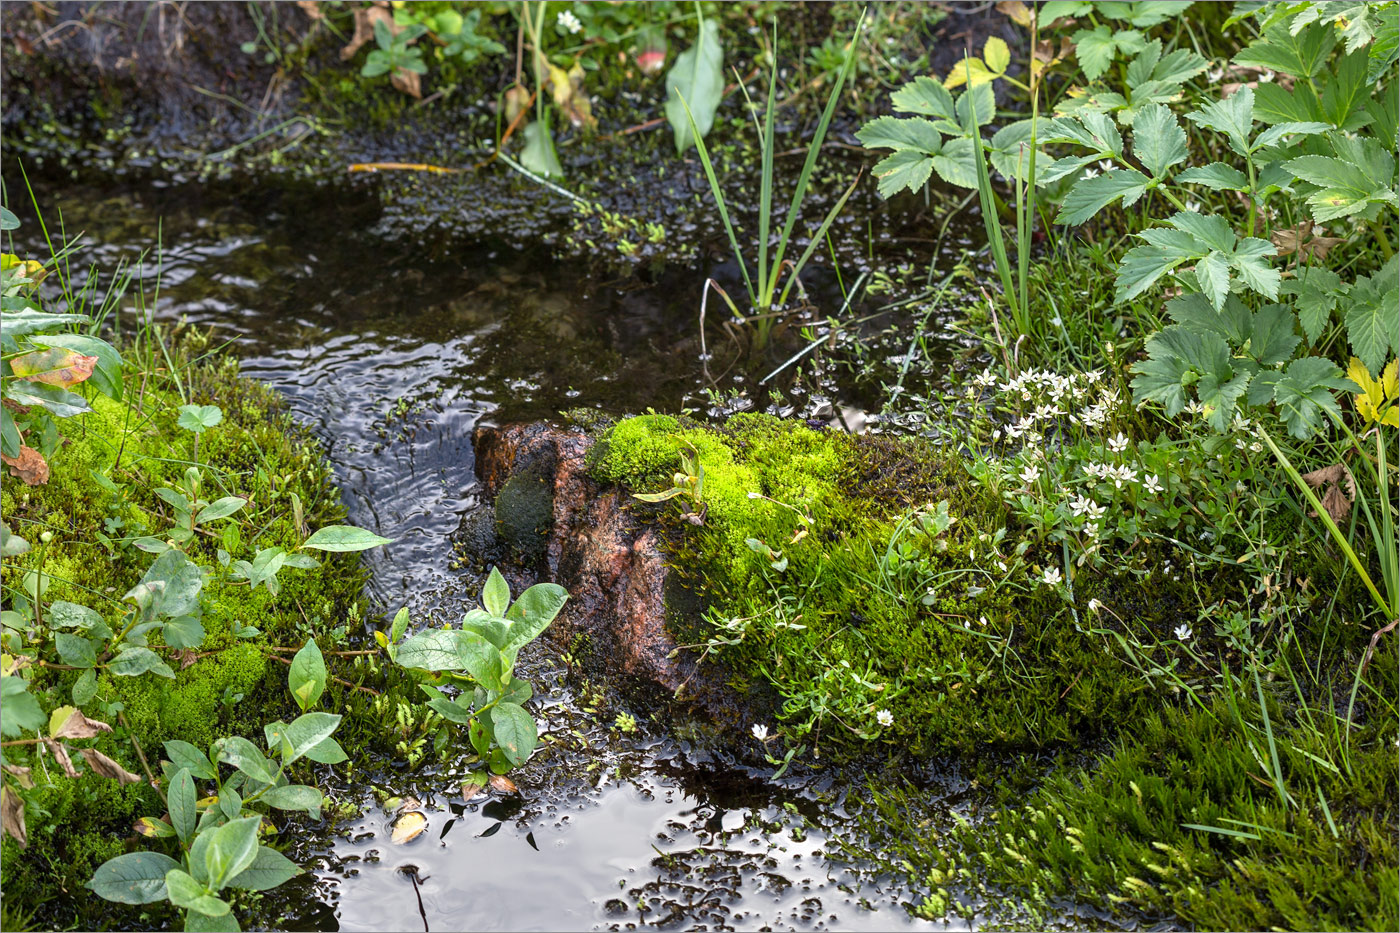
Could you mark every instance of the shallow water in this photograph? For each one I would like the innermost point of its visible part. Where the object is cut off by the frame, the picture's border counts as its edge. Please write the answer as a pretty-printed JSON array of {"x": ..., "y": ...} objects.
[{"x": 393, "y": 353}]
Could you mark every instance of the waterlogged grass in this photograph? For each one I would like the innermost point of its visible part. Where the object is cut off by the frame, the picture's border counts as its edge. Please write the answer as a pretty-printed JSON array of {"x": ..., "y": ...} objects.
[{"x": 103, "y": 483}]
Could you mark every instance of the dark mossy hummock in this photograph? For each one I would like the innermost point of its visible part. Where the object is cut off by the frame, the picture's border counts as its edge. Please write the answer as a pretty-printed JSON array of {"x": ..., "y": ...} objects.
[{"x": 103, "y": 483}]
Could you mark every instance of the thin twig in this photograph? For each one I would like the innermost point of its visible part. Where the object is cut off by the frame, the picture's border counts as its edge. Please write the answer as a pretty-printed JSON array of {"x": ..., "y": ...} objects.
[{"x": 121, "y": 718}]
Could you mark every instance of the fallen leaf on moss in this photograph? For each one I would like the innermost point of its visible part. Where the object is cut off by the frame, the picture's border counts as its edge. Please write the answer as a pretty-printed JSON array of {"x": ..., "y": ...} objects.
[
  {"x": 365, "y": 18},
  {"x": 29, "y": 466},
  {"x": 409, "y": 82},
  {"x": 21, "y": 774},
  {"x": 60, "y": 755},
  {"x": 108, "y": 768},
  {"x": 77, "y": 726},
  {"x": 12, "y": 816}
]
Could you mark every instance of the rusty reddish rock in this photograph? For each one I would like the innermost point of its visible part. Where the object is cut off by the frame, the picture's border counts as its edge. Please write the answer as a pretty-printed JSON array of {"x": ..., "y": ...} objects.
[{"x": 613, "y": 565}]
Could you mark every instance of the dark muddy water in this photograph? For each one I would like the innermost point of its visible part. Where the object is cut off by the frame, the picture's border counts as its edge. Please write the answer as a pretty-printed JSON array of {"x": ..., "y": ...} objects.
[{"x": 393, "y": 352}]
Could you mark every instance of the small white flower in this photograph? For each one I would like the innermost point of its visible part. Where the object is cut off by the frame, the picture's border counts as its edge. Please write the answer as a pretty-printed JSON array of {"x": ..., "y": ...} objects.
[
  {"x": 1057, "y": 321},
  {"x": 1095, "y": 605},
  {"x": 1118, "y": 443},
  {"x": 1030, "y": 474},
  {"x": 1256, "y": 447},
  {"x": 569, "y": 22},
  {"x": 1123, "y": 476},
  {"x": 884, "y": 717},
  {"x": 1193, "y": 205},
  {"x": 1152, "y": 483},
  {"x": 1091, "y": 529},
  {"x": 1051, "y": 576},
  {"x": 1183, "y": 632},
  {"x": 760, "y": 732},
  {"x": 1082, "y": 505},
  {"x": 1090, "y": 173}
]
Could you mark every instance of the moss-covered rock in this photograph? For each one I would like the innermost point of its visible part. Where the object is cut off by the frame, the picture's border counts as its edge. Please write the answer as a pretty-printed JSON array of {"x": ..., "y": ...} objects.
[
  {"x": 826, "y": 574},
  {"x": 102, "y": 495}
]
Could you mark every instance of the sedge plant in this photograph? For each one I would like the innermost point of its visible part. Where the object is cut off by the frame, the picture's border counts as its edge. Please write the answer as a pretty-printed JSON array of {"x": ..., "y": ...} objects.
[{"x": 765, "y": 300}]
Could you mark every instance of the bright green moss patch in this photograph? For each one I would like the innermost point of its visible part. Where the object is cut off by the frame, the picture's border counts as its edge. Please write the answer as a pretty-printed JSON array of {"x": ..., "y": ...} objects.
[{"x": 102, "y": 494}]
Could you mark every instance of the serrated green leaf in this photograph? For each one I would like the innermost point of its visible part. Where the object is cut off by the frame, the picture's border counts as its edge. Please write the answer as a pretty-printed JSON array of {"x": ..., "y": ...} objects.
[
  {"x": 1159, "y": 142},
  {"x": 1216, "y": 175},
  {"x": 1303, "y": 55},
  {"x": 902, "y": 170},
  {"x": 1317, "y": 290},
  {"x": 1233, "y": 116},
  {"x": 1219, "y": 399},
  {"x": 1373, "y": 322},
  {"x": 910, "y": 134},
  {"x": 1091, "y": 195},
  {"x": 1213, "y": 277},
  {"x": 1272, "y": 338}
]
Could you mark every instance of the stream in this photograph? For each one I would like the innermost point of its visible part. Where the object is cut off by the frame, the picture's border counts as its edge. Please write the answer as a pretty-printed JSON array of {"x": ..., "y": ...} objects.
[{"x": 392, "y": 353}]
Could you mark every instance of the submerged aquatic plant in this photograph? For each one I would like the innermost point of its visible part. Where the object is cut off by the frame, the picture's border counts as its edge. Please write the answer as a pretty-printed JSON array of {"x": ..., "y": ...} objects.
[{"x": 766, "y": 302}]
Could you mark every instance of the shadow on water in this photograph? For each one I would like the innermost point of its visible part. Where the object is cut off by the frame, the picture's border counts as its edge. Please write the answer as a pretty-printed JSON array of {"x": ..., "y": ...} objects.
[{"x": 393, "y": 353}]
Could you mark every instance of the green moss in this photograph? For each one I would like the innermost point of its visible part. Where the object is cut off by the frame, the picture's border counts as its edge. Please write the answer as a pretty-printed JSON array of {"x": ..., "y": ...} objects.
[
  {"x": 847, "y": 628},
  {"x": 102, "y": 490}
]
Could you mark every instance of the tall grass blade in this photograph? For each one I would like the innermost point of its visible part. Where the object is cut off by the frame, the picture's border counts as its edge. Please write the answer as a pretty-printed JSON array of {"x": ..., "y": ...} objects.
[
  {"x": 804, "y": 178},
  {"x": 816, "y": 239},
  {"x": 765, "y": 203},
  {"x": 995, "y": 240},
  {"x": 718, "y": 193}
]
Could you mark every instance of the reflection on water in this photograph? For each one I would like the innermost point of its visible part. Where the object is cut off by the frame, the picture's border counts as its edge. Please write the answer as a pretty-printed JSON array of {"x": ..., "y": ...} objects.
[{"x": 392, "y": 354}]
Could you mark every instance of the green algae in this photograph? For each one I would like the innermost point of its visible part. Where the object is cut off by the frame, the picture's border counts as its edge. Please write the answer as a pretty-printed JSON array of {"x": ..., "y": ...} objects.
[{"x": 101, "y": 494}]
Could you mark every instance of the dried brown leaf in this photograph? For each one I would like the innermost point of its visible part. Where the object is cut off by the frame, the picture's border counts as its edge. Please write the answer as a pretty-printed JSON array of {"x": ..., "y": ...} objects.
[
  {"x": 29, "y": 466},
  {"x": 78, "y": 726},
  {"x": 60, "y": 754},
  {"x": 108, "y": 768},
  {"x": 409, "y": 82},
  {"x": 21, "y": 774},
  {"x": 1327, "y": 474},
  {"x": 1016, "y": 11},
  {"x": 1336, "y": 503},
  {"x": 311, "y": 8},
  {"x": 470, "y": 790},
  {"x": 365, "y": 18},
  {"x": 1297, "y": 240},
  {"x": 503, "y": 784},
  {"x": 187, "y": 657},
  {"x": 12, "y": 816}
]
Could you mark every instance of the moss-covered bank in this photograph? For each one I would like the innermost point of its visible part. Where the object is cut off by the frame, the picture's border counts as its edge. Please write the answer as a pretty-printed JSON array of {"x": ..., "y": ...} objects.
[
  {"x": 102, "y": 494},
  {"x": 888, "y": 597}
]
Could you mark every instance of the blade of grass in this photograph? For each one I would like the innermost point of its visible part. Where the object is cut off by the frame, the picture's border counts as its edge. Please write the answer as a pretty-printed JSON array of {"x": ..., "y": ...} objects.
[
  {"x": 718, "y": 194},
  {"x": 768, "y": 278},
  {"x": 995, "y": 240},
  {"x": 816, "y": 240},
  {"x": 804, "y": 178}
]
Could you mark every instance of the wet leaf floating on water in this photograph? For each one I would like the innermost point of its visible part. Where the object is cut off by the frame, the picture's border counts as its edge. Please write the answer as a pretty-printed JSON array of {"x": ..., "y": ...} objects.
[
  {"x": 56, "y": 367},
  {"x": 490, "y": 831},
  {"x": 408, "y": 826},
  {"x": 30, "y": 466},
  {"x": 503, "y": 784}
]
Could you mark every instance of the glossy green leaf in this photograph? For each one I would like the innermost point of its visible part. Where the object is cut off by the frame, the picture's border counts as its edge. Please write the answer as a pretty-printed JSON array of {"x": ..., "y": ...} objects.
[
  {"x": 232, "y": 848},
  {"x": 180, "y": 799},
  {"x": 344, "y": 538},
  {"x": 308, "y": 675},
  {"x": 184, "y": 755},
  {"x": 269, "y": 869},
  {"x": 697, "y": 77},
  {"x": 134, "y": 878},
  {"x": 495, "y": 595},
  {"x": 191, "y": 895},
  {"x": 514, "y": 731}
]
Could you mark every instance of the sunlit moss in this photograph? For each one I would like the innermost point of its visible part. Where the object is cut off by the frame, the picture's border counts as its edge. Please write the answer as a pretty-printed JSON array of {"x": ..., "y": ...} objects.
[{"x": 230, "y": 686}]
